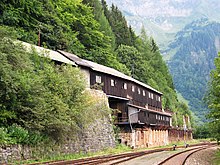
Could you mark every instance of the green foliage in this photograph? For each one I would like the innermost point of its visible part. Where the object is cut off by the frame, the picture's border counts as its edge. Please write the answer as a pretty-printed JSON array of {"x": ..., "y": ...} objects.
[
  {"x": 4, "y": 137},
  {"x": 192, "y": 62},
  {"x": 202, "y": 132},
  {"x": 102, "y": 20},
  {"x": 38, "y": 95},
  {"x": 65, "y": 25},
  {"x": 123, "y": 33},
  {"x": 146, "y": 64},
  {"x": 18, "y": 135},
  {"x": 213, "y": 100},
  {"x": 216, "y": 160}
]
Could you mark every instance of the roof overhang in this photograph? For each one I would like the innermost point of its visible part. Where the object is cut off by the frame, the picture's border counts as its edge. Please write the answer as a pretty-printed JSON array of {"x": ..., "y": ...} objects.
[
  {"x": 150, "y": 110},
  {"x": 53, "y": 55},
  {"x": 116, "y": 97}
]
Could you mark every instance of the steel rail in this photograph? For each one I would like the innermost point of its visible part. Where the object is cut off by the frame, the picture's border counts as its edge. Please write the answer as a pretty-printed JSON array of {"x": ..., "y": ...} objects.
[
  {"x": 109, "y": 158},
  {"x": 184, "y": 153}
]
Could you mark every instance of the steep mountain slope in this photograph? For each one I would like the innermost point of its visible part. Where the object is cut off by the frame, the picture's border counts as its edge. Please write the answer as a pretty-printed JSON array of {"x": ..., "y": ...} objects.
[
  {"x": 94, "y": 32},
  {"x": 194, "y": 51},
  {"x": 163, "y": 19},
  {"x": 188, "y": 46}
]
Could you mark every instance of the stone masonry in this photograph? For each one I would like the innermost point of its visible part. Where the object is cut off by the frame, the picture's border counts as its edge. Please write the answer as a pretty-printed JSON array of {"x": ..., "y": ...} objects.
[{"x": 97, "y": 136}]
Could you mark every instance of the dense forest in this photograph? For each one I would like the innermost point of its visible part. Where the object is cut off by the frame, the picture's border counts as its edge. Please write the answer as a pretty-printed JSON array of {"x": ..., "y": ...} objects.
[
  {"x": 193, "y": 53},
  {"x": 87, "y": 28}
]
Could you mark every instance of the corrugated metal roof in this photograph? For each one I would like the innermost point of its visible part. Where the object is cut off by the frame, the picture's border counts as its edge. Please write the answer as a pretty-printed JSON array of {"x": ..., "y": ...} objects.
[
  {"x": 48, "y": 53},
  {"x": 104, "y": 69}
]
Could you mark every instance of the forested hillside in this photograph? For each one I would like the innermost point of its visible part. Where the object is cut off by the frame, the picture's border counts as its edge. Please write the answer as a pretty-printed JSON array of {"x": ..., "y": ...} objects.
[
  {"x": 192, "y": 59},
  {"x": 163, "y": 19},
  {"x": 187, "y": 45},
  {"x": 91, "y": 30}
]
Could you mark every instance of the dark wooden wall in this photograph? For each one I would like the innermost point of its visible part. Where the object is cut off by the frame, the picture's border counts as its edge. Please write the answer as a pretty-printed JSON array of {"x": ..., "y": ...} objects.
[
  {"x": 135, "y": 98},
  {"x": 153, "y": 118},
  {"x": 118, "y": 90}
]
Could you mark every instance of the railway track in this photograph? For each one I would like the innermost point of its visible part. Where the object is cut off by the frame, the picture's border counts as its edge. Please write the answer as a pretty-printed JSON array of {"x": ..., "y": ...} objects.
[
  {"x": 181, "y": 157},
  {"x": 120, "y": 158}
]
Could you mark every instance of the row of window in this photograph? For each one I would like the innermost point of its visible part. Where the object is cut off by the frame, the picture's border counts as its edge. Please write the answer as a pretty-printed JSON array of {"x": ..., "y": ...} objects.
[
  {"x": 125, "y": 86},
  {"x": 160, "y": 117}
]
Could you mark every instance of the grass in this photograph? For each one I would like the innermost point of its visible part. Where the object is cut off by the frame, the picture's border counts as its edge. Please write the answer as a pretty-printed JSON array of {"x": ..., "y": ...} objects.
[
  {"x": 56, "y": 157},
  {"x": 216, "y": 160},
  {"x": 118, "y": 149}
]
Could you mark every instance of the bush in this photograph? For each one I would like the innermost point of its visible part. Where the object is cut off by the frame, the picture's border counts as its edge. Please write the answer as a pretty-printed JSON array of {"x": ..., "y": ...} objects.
[
  {"x": 202, "y": 132},
  {"x": 4, "y": 137},
  {"x": 16, "y": 134}
]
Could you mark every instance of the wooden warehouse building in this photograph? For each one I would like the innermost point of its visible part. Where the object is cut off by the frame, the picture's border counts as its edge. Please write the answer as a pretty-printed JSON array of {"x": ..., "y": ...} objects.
[{"x": 137, "y": 107}]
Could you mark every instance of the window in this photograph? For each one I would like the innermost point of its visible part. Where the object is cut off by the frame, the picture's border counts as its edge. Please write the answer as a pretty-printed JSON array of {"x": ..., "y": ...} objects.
[
  {"x": 149, "y": 95},
  {"x": 143, "y": 93},
  {"x": 98, "y": 79},
  {"x": 139, "y": 91},
  {"x": 133, "y": 88},
  {"x": 152, "y": 95},
  {"x": 125, "y": 86},
  {"x": 156, "y": 116},
  {"x": 157, "y": 98},
  {"x": 112, "y": 82}
]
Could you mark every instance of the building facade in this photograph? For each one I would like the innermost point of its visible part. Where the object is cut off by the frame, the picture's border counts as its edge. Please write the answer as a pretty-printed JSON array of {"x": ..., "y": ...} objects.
[{"x": 137, "y": 107}]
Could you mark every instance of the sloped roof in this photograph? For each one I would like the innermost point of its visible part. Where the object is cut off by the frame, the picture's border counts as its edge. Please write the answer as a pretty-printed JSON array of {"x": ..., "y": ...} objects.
[
  {"x": 75, "y": 58},
  {"x": 54, "y": 55},
  {"x": 104, "y": 69}
]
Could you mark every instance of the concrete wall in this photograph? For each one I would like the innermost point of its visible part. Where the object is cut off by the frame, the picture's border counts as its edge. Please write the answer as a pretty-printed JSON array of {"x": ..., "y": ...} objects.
[
  {"x": 86, "y": 73},
  {"x": 144, "y": 137},
  {"x": 152, "y": 137},
  {"x": 176, "y": 135}
]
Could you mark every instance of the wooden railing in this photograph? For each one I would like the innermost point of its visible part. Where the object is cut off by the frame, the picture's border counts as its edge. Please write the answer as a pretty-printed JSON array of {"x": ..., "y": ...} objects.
[{"x": 122, "y": 119}]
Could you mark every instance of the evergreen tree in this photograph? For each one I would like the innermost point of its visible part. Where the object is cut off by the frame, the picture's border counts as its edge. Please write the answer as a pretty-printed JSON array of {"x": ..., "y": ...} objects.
[
  {"x": 123, "y": 33},
  {"x": 213, "y": 100},
  {"x": 102, "y": 20}
]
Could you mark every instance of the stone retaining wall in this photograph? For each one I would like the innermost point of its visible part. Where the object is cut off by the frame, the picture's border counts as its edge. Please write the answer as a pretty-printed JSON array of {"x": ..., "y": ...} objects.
[{"x": 97, "y": 136}]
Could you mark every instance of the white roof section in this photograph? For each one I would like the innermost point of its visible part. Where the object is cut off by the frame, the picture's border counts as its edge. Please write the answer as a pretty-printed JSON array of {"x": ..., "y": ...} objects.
[
  {"x": 104, "y": 69},
  {"x": 147, "y": 109},
  {"x": 54, "y": 55}
]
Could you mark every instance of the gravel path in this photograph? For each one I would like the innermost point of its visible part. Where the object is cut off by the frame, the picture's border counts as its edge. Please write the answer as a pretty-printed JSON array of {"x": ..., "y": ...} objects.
[
  {"x": 151, "y": 159},
  {"x": 203, "y": 157}
]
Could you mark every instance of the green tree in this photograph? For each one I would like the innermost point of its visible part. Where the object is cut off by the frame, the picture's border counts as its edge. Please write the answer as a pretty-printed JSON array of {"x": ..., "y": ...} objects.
[
  {"x": 213, "y": 100},
  {"x": 123, "y": 33},
  {"x": 102, "y": 20},
  {"x": 39, "y": 95}
]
